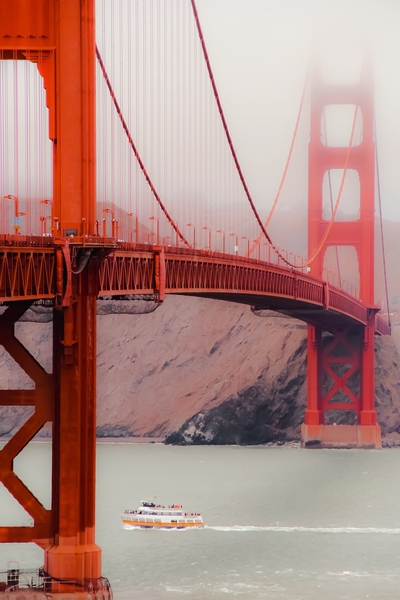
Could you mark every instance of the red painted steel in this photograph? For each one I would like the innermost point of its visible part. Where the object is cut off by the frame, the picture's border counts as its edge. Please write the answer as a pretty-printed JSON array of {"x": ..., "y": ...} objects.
[
  {"x": 33, "y": 274},
  {"x": 359, "y": 234},
  {"x": 59, "y": 36},
  {"x": 42, "y": 400},
  {"x": 26, "y": 273}
]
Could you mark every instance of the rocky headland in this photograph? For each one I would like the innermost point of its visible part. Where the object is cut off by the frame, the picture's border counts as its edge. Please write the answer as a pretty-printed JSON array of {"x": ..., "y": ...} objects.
[{"x": 196, "y": 371}]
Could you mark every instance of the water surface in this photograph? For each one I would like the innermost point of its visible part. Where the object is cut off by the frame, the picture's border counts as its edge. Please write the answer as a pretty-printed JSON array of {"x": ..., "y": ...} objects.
[{"x": 281, "y": 522}]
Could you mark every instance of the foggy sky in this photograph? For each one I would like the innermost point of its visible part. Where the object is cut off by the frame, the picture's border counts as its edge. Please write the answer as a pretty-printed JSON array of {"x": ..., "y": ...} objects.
[{"x": 260, "y": 50}]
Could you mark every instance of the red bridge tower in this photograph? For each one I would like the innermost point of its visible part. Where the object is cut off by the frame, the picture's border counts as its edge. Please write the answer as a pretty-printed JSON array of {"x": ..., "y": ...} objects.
[
  {"x": 341, "y": 358},
  {"x": 59, "y": 36}
]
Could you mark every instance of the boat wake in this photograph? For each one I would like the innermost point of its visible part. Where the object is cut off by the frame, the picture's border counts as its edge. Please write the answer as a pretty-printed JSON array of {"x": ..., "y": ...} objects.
[{"x": 282, "y": 529}]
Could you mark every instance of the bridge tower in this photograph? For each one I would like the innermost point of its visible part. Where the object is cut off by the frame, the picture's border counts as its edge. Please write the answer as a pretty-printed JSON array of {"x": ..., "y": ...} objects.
[
  {"x": 341, "y": 360},
  {"x": 59, "y": 36}
]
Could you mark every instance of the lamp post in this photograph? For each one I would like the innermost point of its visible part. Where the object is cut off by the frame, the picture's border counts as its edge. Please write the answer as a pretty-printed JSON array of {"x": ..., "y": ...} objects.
[
  {"x": 165, "y": 238},
  {"x": 244, "y": 237},
  {"x": 43, "y": 220},
  {"x": 149, "y": 236},
  {"x": 16, "y": 214},
  {"x": 223, "y": 239},
  {"x": 209, "y": 236},
  {"x": 51, "y": 213},
  {"x": 194, "y": 234},
  {"x": 236, "y": 243},
  {"x": 158, "y": 228},
  {"x": 20, "y": 214},
  {"x": 136, "y": 230},
  {"x": 257, "y": 243},
  {"x": 109, "y": 210},
  {"x": 268, "y": 251}
]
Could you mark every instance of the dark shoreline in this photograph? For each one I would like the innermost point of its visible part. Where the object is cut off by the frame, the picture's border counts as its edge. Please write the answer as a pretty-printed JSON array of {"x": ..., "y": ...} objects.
[{"x": 386, "y": 443}]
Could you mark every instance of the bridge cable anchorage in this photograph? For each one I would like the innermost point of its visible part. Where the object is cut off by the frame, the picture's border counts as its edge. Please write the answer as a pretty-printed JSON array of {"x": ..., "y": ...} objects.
[
  {"x": 135, "y": 150},
  {"x": 278, "y": 194},
  {"x": 378, "y": 181}
]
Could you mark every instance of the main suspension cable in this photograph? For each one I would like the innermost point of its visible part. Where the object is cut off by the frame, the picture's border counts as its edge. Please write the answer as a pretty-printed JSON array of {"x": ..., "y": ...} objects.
[
  {"x": 224, "y": 123},
  {"x": 283, "y": 178},
  {"x": 381, "y": 225},
  {"x": 346, "y": 166},
  {"x": 135, "y": 150}
]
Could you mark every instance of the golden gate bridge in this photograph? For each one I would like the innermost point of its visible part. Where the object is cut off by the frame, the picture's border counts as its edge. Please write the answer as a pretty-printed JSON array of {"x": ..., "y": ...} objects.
[{"x": 119, "y": 177}]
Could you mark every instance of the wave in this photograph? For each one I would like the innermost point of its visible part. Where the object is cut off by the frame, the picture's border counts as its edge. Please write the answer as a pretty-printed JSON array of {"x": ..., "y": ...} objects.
[
  {"x": 279, "y": 529},
  {"x": 283, "y": 529}
]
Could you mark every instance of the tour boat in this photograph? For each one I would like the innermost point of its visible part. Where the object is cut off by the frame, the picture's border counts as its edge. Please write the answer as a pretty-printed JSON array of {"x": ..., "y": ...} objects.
[{"x": 155, "y": 516}]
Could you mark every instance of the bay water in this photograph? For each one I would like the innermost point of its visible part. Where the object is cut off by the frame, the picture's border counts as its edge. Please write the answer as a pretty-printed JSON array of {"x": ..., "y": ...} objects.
[{"x": 280, "y": 522}]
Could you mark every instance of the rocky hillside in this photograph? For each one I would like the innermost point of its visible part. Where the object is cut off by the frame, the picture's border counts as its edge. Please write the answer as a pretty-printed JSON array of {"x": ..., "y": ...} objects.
[{"x": 198, "y": 371}]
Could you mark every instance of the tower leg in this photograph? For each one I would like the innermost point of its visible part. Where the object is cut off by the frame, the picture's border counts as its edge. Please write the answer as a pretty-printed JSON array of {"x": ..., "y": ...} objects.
[
  {"x": 341, "y": 378},
  {"x": 74, "y": 554},
  {"x": 41, "y": 398},
  {"x": 313, "y": 414},
  {"x": 368, "y": 413}
]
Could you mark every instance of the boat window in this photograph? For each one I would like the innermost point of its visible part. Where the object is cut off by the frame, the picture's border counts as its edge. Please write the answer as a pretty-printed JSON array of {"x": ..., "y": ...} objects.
[{"x": 157, "y": 520}]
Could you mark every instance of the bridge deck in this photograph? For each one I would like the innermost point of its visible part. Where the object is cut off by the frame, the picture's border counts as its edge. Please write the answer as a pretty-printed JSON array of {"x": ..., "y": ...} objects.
[{"x": 29, "y": 271}]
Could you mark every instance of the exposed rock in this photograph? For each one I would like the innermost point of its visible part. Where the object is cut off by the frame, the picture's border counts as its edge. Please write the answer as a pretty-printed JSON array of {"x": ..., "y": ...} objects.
[
  {"x": 270, "y": 410},
  {"x": 210, "y": 371}
]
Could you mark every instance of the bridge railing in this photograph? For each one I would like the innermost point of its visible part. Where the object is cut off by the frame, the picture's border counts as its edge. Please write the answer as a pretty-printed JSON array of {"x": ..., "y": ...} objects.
[
  {"x": 344, "y": 303},
  {"x": 381, "y": 326}
]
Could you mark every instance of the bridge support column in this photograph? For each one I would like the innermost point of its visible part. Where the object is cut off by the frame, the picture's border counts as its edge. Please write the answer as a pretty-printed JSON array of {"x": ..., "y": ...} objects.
[
  {"x": 41, "y": 398},
  {"x": 341, "y": 362},
  {"x": 313, "y": 414},
  {"x": 74, "y": 554},
  {"x": 368, "y": 413},
  {"x": 340, "y": 405}
]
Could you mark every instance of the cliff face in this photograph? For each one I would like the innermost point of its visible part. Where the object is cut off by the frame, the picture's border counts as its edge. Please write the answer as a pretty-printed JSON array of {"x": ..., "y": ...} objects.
[
  {"x": 158, "y": 371},
  {"x": 198, "y": 371}
]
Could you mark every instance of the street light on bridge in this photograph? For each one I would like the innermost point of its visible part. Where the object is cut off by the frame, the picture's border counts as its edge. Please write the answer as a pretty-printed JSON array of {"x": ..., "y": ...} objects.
[
  {"x": 223, "y": 239},
  {"x": 209, "y": 236},
  {"x": 48, "y": 217},
  {"x": 16, "y": 213},
  {"x": 244, "y": 237},
  {"x": 194, "y": 234},
  {"x": 43, "y": 220},
  {"x": 158, "y": 228},
  {"x": 236, "y": 248},
  {"x": 136, "y": 230},
  {"x": 109, "y": 210},
  {"x": 258, "y": 246}
]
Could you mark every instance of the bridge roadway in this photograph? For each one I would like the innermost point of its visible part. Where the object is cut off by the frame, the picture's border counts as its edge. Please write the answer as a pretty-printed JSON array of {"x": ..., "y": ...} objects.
[{"x": 32, "y": 268}]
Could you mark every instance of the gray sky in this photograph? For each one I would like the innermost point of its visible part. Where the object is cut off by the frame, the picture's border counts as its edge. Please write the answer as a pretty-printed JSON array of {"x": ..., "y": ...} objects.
[{"x": 259, "y": 50}]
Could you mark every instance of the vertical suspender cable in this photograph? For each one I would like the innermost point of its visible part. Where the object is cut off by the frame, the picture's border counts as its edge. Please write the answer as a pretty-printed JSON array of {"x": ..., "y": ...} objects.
[
  {"x": 135, "y": 151},
  {"x": 381, "y": 226}
]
